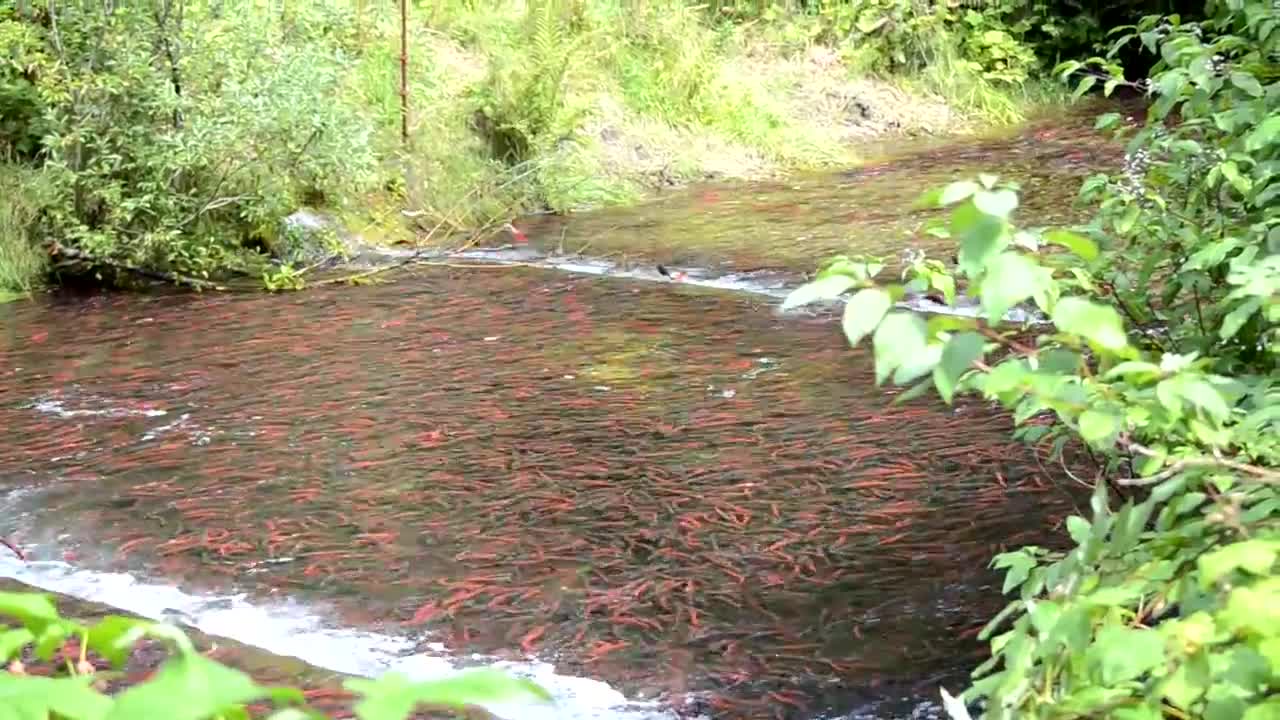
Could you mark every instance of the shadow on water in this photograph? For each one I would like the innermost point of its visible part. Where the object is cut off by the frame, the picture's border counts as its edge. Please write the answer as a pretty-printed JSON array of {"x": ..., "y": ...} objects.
[{"x": 670, "y": 488}]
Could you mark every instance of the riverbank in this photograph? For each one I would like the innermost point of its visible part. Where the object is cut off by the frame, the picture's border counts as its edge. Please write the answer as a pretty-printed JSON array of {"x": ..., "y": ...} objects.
[
  {"x": 504, "y": 109},
  {"x": 323, "y": 687}
]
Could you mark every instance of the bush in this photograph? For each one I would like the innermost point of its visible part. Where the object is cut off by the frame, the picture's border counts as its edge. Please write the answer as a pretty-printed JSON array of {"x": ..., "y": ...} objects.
[
  {"x": 176, "y": 141},
  {"x": 1156, "y": 347}
]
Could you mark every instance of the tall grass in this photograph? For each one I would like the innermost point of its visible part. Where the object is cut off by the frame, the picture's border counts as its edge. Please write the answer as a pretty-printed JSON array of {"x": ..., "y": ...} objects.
[
  {"x": 987, "y": 102},
  {"x": 23, "y": 264}
]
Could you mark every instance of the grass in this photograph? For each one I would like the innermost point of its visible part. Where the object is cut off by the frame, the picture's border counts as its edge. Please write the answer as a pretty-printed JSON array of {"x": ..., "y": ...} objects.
[
  {"x": 23, "y": 264},
  {"x": 560, "y": 105}
]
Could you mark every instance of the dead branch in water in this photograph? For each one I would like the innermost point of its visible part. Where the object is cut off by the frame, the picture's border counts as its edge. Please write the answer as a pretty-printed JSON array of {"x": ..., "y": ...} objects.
[
  {"x": 415, "y": 259},
  {"x": 80, "y": 256},
  {"x": 16, "y": 550}
]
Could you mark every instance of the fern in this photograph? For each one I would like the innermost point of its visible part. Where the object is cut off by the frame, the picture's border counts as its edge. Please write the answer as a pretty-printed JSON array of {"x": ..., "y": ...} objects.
[{"x": 523, "y": 100}]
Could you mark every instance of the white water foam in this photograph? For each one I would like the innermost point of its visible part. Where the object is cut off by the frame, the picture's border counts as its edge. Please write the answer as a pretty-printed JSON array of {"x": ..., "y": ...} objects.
[
  {"x": 59, "y": 408},
  {"x": 749, "y": 283},
  {"x": 291, "y": 629}
]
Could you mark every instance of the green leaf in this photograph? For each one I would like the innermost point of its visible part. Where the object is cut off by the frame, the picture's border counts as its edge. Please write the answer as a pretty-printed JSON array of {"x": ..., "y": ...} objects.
[
  {"x": 1082, "y": 246},
  {"x": 1268, "y": 709},
  {"x": 1010, "y": 279},
  {"x": 394, "y": 696},
  {"x": 981, "y": 237},
  {"x": 1254, "y": 610},
  {"x": 1247, "y": 83},
  {"x": 205, "y": 687},
  {"x": 1231, "y": 172},
  {"x": 1086, "y": 83},
  {"x": 1133, "y": 367},
  {"x": 918, "y": 365},
  {"x": 12, "y": 642},
  {"x": 1099, "y": 428},
  {"x": 1267, "y": 132},
  {"x": 105, "y": 637},
  {"x": 957, "y": 358},
  {"x": 35, "y": 610},
  {"x": 863, "y": 313},
  {"x": 999, "y": 203},
  {"x": 1019, "y": 564},
  {"x": 25, "y": 697},
  {"x": 1099, "y": 324},
  {"x": 827, "y": 288},
  {"x": 50, "y": 640},
  {"x": 1189, "y": 681},
  {"x": 1236, "y": 319},
  {"x": 900, "y": 338},
  {"x": 1120, "y": 653},
  {"x": 929, "y": 199},
  {"x": 860, "y": 271},
  {"x": 1126, "y": 221},
  {"x": 957, "y": 191},
  {"x": 1253, "y": 556},
  {"x": 1204, "y": 396},
  {"x": 1078, "y": 528},
  {"x": 912, "y": 392}
]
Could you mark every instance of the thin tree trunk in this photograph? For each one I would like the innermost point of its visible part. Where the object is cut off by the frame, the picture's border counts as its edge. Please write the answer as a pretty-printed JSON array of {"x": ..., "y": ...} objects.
[{"x": 404, "y": 73}]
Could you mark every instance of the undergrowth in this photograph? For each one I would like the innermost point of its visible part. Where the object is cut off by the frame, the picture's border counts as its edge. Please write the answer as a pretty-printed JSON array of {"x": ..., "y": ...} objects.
[{"x": 22, "y": 263}]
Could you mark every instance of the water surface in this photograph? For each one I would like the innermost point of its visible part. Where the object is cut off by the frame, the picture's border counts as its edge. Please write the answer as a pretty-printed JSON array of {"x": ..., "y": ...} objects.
[{"x": 673, "y": 489}]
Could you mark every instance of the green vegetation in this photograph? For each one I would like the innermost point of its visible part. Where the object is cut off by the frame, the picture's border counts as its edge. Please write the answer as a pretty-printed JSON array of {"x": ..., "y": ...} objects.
[
  {"x": 1159, "y": 352},
  {"x": 188, "y": 685},
  {"x": 173, "y": 136},
  {"x": 23, "y": 263}
]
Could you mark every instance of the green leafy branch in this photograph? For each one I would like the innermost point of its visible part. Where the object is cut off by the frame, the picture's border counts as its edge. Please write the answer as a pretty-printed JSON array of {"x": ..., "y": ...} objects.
[
  {"x": 189, "y": 685},
  {"x": 1101, "y": 630}
]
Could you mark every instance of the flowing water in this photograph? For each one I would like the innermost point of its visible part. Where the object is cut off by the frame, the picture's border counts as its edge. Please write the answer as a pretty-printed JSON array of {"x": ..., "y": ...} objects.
[{"x": 699, "y": 504}]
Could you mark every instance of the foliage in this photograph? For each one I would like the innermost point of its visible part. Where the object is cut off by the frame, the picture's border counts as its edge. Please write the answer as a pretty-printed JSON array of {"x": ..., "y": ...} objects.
[
  {"x": 22, "y": 262},
  {"x": 522, "y": 106},
  {"x": 172, "y": 141},
  {"x": 1155, "y": 344},
  {"x": 188, "y": 685},
  {"x": 1195, "y": 205}
]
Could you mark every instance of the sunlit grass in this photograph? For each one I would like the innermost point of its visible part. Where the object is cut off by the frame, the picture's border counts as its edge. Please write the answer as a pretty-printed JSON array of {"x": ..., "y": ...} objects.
[
  {"x": 22, "y": 263},
  {"x": 651, "y": 93}
]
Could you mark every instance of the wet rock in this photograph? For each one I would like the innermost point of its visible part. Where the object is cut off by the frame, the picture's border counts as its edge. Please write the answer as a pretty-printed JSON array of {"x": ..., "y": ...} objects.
[{"x": 308, "y": 237}]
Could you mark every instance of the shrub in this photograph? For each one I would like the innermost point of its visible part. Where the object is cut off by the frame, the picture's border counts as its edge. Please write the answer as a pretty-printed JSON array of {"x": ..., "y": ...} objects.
[
  {"x": 1157, "y": 348},
  {"x": 177, "y": 141}
]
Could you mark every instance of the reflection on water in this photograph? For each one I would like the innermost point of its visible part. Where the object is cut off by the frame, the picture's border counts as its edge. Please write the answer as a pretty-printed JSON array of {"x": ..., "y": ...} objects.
[{"x": 666, "y": 487}]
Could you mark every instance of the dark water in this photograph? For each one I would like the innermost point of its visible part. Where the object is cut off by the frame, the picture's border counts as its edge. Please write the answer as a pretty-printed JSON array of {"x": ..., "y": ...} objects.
[{"x": 669, "y": 488}]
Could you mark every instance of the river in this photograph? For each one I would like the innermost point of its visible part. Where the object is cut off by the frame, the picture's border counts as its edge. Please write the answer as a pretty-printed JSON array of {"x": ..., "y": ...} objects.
[{"x": 658, "y": 498}]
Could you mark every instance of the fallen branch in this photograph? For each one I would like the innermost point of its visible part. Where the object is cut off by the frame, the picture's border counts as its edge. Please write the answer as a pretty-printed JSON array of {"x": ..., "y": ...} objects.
[
  {"x": 175, "y": 278},
  {"x": 16, "y": 550},
  {"x": 414, "y": 260}
]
